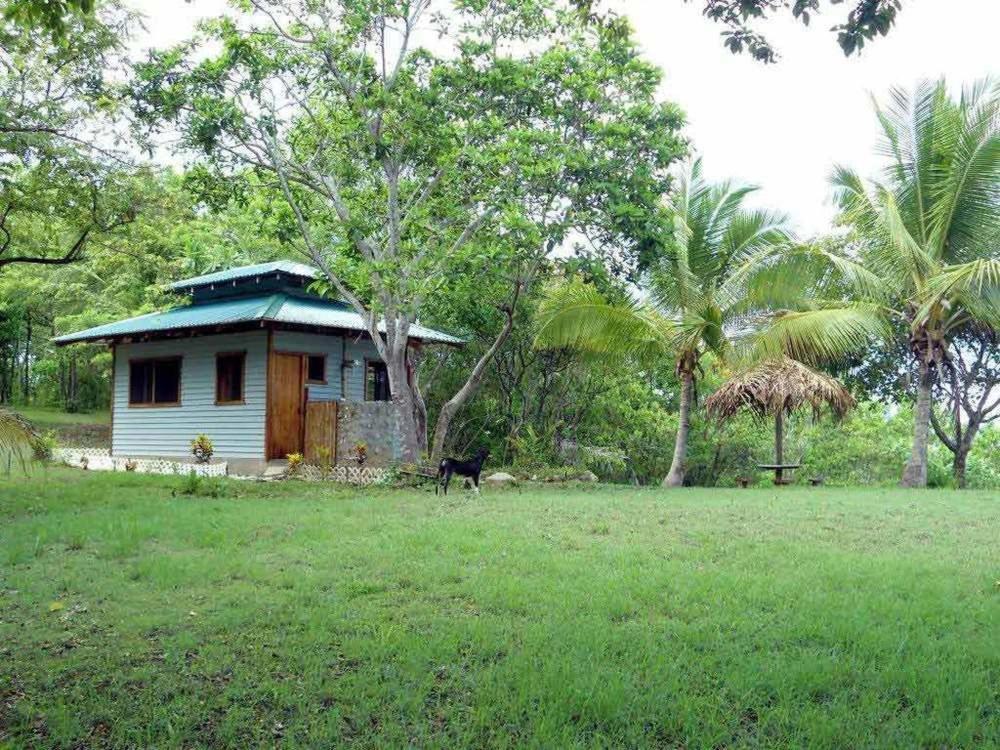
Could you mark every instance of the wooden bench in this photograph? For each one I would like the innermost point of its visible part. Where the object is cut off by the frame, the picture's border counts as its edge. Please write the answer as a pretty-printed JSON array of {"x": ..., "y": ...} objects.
[
  {"x": 779, "y": 472},
  {"x": 418, "y": 474}
]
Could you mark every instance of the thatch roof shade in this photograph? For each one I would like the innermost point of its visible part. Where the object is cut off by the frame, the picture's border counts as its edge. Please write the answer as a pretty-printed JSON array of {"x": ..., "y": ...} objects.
[{"x": 777, "y": 387}]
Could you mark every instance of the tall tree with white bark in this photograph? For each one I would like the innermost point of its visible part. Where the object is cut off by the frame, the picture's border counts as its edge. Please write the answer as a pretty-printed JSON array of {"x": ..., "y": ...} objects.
[{"x": 414, "y": 147}]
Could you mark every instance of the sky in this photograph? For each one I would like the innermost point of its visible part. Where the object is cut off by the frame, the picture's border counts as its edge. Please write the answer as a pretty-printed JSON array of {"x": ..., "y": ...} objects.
[{"x": 783, "y": 126}]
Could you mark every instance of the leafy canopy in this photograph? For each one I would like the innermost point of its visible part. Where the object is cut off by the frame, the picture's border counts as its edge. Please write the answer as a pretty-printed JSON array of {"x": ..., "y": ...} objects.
[
  {"x": 925, "y": 248},
  {"x": 693, "y": 295}
]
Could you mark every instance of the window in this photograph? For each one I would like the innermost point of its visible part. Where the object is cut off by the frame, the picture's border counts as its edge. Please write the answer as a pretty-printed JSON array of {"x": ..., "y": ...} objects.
[
  {"x": 229, "y": 375},
  {"x": 376, "y": 381},
  {"x": 154, "y": 382},
  {"x": 316, "y": 368}
]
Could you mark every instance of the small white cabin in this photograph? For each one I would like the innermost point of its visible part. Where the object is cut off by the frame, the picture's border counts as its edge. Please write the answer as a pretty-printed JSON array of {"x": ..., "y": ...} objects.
[{"x": 249, "y": 361}]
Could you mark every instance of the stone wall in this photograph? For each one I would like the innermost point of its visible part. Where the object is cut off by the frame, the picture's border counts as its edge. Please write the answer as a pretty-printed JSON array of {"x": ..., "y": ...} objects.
[{"x": 375, "y": 423}]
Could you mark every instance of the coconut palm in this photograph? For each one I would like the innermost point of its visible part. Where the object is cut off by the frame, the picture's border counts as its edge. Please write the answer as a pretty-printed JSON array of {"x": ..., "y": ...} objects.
[
  {"x": 687, "y": 305},
  {"x": 925, "y": 251}
]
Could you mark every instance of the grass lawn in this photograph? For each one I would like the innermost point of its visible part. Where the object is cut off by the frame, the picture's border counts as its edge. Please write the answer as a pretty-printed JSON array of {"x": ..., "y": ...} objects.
[
  {"x": 303, "y": 615},
  {"x": 76, "y": 429}
]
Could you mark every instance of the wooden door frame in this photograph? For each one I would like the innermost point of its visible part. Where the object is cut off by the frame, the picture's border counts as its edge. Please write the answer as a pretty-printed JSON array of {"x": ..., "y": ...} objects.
[{"x": 271, "y": 353}]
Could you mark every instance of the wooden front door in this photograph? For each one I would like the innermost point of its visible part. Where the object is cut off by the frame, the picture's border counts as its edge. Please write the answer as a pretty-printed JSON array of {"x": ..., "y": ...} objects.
[{"x": 285, "y": 405}]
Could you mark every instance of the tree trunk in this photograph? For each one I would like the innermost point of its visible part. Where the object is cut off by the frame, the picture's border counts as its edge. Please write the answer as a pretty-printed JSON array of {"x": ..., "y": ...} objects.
[
  {"x": 402, "y": 397},
  {"x": 26, "y": 385},
  {"x": 958, "y": 466},
  {"x": 676, "y": 476},
  {"x": 779, "y": 438},
  {"x": 452, "y": 406},
  {"x": 915, "y": 472}
]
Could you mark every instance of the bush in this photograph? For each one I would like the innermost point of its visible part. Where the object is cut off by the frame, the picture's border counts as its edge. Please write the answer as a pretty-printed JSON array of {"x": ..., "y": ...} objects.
[
  {"x": 202, "y": 449},
  {"x": 982, "y": 470},
  {"x": 45, "y": 446},
  {"x": 295, "y": 461},
  {"x": 195, "y": 484}
]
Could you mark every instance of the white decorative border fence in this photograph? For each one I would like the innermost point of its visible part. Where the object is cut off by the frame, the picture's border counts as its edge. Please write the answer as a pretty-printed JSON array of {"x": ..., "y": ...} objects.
[
  {"x": 363, "y": 475},
  {"x": 100, "y": 459}
]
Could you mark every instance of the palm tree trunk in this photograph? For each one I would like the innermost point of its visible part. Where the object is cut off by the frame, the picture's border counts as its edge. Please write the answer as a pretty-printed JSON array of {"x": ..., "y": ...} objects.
[
  {"x": 676, "y": 476},
  {"x": 915, "y": 472}
]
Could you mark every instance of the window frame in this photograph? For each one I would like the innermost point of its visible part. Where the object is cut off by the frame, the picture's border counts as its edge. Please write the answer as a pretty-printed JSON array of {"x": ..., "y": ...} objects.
[
  {"x": 368, "y": 363},
  {"x": 326, "y": 374},
  {"x": 243, "y": 378},
  {"x": 179, "y": 359}
]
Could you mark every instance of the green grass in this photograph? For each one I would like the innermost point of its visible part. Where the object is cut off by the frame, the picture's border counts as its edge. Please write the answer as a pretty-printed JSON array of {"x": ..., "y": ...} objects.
[
  {"x": 304, "y": 615},
  {"x": 76, "y": 429},
  {"x": 47, "y": 417}
]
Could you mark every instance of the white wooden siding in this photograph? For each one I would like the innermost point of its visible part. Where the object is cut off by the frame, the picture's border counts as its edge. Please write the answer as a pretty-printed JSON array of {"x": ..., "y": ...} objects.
[{"x": 237, "y": 431}]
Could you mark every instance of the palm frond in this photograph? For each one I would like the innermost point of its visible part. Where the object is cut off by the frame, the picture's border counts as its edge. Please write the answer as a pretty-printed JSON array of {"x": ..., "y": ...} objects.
[
  {"x": 974, "y": 286},
  {"x": 967, "y": 189},
  {"x": 822, "y": 335},
  {"x": 17, "y": 437},
  {"x": 900, "y": 255},
  {"x": 800, "y": 276},
  {"x": 576, "y": 315}
]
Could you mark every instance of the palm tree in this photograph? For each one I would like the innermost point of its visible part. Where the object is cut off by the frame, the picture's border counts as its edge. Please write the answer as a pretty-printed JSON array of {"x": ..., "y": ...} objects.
[
  {"x": 17, "y": 438},
  {"x": 688, "y": 304},
  {"x": 925, "y": 251}
]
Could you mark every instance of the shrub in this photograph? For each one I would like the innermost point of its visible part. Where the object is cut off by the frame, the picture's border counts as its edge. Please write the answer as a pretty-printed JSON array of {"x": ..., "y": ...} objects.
[
  {"x": 45, "y": 446},
  {"x": 195, "y": 484},
  {"x": 361, "y": 452},
  {"x": 295, "y": 461},
  {"x": 191, "y": 484},
  {"x": 202, "y": 449},
  {"x": 324, "y": 460}
]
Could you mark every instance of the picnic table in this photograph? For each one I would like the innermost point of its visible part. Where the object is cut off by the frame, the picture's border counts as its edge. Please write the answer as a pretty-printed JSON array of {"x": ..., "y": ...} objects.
[{"x": 779, "y": 470}]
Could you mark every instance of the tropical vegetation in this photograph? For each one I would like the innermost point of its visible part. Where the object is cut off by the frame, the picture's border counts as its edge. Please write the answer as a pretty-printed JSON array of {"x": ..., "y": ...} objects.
[{"x": 557, "y": 221}]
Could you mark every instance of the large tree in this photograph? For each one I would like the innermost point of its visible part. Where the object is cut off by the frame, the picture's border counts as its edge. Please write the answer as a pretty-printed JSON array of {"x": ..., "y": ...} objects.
[
  {"x": 968, "y": 389},
  {"x": 412, "y": 148},
  {"x": 691, "y": 303},
  {"x": 65, "y": 178},
  {"x": 63, "y": 182},
  {"x": 925, "y": 254}
]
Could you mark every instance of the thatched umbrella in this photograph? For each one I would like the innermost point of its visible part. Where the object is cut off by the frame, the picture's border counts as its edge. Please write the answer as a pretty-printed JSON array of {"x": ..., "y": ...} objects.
[{"x": 778, "y": 387}]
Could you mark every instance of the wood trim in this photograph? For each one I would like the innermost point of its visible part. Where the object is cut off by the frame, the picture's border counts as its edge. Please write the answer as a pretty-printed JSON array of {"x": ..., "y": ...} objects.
[
  {"x": 243, "y": 379},
  {"x": 272, "y": 353},
  {"x": 364, "y": 379},
  {"x": 326, "y": 375},
  {"x": 157, "y": 404}
]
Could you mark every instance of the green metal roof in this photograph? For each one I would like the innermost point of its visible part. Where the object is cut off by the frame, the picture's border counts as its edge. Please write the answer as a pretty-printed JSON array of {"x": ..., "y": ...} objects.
[
  {"x": 244, "y": 272},
  {"x": 276, "y": 308}
]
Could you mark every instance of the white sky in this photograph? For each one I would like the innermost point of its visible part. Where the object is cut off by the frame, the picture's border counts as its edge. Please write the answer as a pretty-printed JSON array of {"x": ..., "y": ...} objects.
[{"x": 779, "y": 126}]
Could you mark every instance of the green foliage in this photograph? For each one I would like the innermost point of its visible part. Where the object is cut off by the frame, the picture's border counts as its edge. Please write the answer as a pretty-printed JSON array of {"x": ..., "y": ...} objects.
[
  {"x": 202, "y": 449},
  {"x": 984, "y": 461},
  {"x": 191, "y": 484},
  {"x": 45, "y": 446},
  {"x": 295, "y": 462},
  {"x": 62, "y": 190},
  {"x": 53, "y": 16},
  {"x": 196, "y": 485},
  {"x": 866, "y": 20}
]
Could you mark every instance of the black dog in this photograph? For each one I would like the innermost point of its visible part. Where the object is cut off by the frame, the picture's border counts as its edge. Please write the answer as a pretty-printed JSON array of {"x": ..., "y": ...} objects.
[{"x": 471, "y": 469}]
